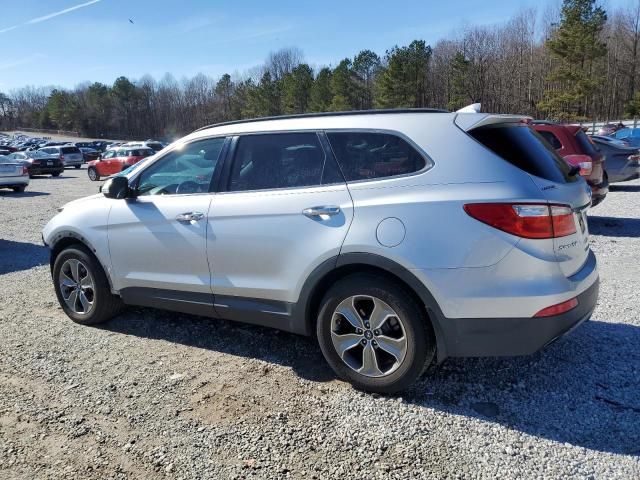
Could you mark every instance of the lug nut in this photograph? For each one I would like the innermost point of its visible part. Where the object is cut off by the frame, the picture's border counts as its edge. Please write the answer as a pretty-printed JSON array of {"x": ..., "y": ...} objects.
[
  {"x": 363, "y": 341},
  {"x": 359, "y": 331},
  {"x": 374, "y": 343},
  {"x": 366, "y": 325},
  {"x": 376, "y": 332}
]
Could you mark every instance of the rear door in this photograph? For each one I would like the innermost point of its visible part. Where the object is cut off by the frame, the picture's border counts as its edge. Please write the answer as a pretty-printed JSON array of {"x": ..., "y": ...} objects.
[
  {"x": 526, "y": 149},
  {"x": 286, "y": 209}
]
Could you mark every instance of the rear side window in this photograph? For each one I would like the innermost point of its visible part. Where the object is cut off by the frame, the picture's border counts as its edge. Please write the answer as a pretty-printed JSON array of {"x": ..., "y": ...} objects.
[
  {"x": 282, "y": 160},
  {"x": 551, "y": 138},
  {"x": 369, "y": 155},
  {"x": 523, "y": 147},
  {"x": 66, "y": 150},
  {"x": 585, "y": 144}
]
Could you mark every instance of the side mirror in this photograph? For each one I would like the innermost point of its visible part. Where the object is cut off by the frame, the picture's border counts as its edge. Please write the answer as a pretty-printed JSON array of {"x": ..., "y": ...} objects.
[{"x": 116, "y": 187}]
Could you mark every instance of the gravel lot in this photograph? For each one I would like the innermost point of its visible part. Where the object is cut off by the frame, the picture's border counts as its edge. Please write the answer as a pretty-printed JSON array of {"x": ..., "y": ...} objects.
[{"x": 158, "y": 395}]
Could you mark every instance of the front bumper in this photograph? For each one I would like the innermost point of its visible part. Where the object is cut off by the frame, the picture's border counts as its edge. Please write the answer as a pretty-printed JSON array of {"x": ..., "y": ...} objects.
[{"x": 489, "y": 337}]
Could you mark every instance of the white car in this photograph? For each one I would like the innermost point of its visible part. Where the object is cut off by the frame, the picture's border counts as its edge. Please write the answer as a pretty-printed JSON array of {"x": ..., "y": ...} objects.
[{"x": 14, "y": 174}]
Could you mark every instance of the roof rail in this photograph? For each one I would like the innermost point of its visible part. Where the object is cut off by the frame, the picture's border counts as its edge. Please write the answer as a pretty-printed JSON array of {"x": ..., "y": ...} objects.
[{"x": 328, "y": 114}]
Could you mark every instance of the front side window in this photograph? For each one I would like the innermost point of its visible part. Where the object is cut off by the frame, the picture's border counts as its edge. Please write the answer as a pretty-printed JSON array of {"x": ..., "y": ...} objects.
[
  {"x": 188, "y": 169},
  {"x": 369, "y": 155},
  {"x": 279, "y": 160}
]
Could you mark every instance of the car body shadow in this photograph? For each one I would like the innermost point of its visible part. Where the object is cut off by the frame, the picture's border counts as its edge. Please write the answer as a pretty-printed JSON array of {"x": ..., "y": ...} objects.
[
  {"x": 614, "y": 226},
  {"x": 25, "y": 194},
  {"x": 583, "y": 390},
  {"x": 16, "y": 256},
  {"x": 624, "y": 188}
]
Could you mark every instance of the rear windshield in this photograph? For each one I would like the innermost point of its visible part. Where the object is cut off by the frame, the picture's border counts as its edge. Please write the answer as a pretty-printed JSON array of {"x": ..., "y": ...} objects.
[
  {"x": 70, "y": 150},
  {"x": 139, "y": 153},
  {"x": 524, "y": 148},
  {"x": 585, "y": 144}
]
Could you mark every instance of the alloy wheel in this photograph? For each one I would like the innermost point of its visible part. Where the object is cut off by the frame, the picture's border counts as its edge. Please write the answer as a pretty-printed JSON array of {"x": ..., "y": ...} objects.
[
  {"x": 77, "y": 286},
  {"x": 368, "y": 335}
]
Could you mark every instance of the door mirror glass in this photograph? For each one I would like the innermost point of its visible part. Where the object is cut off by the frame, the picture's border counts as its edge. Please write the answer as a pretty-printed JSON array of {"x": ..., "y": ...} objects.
[{"x": 116, "y": 187}]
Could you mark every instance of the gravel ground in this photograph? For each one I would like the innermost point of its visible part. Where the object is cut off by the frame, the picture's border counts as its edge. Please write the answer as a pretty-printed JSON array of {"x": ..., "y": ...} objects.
[{"x": 153, "y": 394}]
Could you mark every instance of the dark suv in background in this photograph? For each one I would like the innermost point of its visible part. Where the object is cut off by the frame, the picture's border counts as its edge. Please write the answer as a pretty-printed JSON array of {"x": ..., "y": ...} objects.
[{"x": 573, "y": 144}]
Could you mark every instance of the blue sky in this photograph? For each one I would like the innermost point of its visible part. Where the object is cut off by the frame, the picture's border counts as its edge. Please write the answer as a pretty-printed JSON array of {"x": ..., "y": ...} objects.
[{"x": 65, "y": 42}]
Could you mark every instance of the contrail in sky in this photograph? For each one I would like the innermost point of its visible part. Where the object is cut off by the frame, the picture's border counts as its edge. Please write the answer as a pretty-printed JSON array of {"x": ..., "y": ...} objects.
[{"x": 49, "y": 16}]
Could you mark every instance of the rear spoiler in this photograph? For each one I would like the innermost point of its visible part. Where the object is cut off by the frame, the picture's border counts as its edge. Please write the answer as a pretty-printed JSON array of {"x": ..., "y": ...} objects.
[{"x": 469, "y": 121}]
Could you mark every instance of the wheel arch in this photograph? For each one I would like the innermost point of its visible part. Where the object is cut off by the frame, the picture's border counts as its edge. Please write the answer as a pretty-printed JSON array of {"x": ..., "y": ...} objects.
[
  {"x": 339, "y": 267},
  {"x": 66, "y": 239}
]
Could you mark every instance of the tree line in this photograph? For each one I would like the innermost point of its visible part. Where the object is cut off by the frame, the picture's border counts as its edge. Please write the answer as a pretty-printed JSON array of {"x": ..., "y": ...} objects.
[{"x": 570, "y": 64}]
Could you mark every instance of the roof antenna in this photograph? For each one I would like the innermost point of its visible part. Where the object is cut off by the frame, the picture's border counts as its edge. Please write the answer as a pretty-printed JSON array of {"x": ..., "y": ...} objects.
[{"x": 473, "y": 108}]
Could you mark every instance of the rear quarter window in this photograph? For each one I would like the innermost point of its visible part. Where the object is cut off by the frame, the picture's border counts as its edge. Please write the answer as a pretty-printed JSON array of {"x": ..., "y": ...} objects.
[
  {"x": 371, "y": 155},
  {"x": 526, "y": 149}
]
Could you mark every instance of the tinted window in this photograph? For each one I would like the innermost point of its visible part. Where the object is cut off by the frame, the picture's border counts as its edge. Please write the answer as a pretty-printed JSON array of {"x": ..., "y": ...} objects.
[
  {"x": 185, "y": 170},
  {"x": 66, "y": 150},
  {"x": 284, "y": 160},
  {"x": 366, "y": 155},
  {"x": 551, "y": 138},
  {"x": 585, "y": 143},
  {"x": 522, "y": 146}
]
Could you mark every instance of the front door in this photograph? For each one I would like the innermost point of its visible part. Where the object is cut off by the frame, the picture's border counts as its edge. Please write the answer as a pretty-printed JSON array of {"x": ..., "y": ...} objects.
[{"x": 158, "y": 239}]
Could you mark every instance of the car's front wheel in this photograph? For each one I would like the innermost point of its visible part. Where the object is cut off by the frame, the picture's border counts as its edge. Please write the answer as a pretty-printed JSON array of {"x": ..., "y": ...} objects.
[
  {"x": 19, "y": 189},
  {"x": 374, "y": 334},
  {"x": 93, "y": 174},
  {"x": 82, "y": 287}
]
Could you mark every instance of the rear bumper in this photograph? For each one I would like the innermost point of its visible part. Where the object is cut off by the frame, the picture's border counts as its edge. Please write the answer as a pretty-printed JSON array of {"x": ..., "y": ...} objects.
[
  {"x": 599, "y": 192},
  {"x": 487, "y": 337},
  {"x": 14, "y": 181},
  {"x": 45, "y": 170}
]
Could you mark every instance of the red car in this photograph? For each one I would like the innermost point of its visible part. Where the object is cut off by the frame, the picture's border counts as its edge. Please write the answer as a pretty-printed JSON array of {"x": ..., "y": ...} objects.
[
  {"x": 115, "y": 160},
  {"x": 578, "y": 150}
]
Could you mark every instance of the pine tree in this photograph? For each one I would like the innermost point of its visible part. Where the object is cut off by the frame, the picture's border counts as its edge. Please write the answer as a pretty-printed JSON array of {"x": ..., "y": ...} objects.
[{"x": 575, "y": 45}]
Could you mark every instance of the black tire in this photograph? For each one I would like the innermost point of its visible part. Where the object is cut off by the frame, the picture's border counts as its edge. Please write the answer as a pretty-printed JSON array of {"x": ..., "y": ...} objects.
[
  {"x": 93, "y": 174},
  {"x": 19, "y": 189},
  {"x": 77, "y": 166},
  {"x": 106, "y": 305},
  {"x": 418, "y": 332},
  {"x": 57, "y": 174}
]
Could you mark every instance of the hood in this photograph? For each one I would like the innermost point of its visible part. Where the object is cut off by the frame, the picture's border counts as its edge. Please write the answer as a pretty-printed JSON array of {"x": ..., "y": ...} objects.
[{"x": 82, "y": 200}]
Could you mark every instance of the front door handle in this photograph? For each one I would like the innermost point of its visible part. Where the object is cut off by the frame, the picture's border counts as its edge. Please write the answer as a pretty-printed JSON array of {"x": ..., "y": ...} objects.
[
  {"x": 190, "y": 217},
  {"x": 324, "y": 211}
]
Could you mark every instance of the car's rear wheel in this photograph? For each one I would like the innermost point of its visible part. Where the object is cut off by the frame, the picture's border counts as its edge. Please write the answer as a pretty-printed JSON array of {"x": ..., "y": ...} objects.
[
  {"x": 93, "y": 174},
  {"x": 374, "y": 334},
  {"x": 82, "y": 287},
  {"x": 77, "y": 166},
  {"x": 19, "y": 188},
  {"x": 57, "y": 174}
]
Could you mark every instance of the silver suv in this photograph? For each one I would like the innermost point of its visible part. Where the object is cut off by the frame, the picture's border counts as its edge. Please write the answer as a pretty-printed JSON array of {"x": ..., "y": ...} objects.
[
  {"x": 398, "y": 238},
  {"x": 69, "y": 155}
]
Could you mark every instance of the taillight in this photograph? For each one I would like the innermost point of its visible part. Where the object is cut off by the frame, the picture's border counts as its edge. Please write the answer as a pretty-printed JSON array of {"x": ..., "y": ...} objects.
[
  {"x": 25, "y": 170},
  {"x": 526, "y": 220},
  {"x": 558, "y": 308},
  {"x": 585, "y": 168},
  {"x": 61, "y": 157}
]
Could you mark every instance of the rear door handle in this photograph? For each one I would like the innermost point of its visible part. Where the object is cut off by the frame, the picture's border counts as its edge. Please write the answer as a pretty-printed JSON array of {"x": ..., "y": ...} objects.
[
  {"x": 327, "y": 210},
  {"x": 190, "y": 217}
]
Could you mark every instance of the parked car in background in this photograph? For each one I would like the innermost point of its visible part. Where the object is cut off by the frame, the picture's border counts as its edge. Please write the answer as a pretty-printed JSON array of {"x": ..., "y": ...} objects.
[
  {"x": 13, "y": 174},
  {"x": 629, "y": 135},
  {"x": 40, "y": 163},
  {"x": 100, "y": 145},
  {"x": 90, "y": 154},
  {"x": 610, "y": 140},
  {"x": 70, "y": 155},
  {"x": 152, "y": 144},
  {"x": 332, "y": 226},
  {"x": 115, "y": 160},
  {"x": 623, "y": 162},
  {"x": 577, "y": 149},
  {"x": 610, "y": 128},
  {"x": 84, "y": 144}
]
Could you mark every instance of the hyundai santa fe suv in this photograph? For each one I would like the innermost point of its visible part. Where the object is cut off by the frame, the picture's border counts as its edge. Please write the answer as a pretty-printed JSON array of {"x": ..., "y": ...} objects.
[{"x": 397, "y": 238}]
